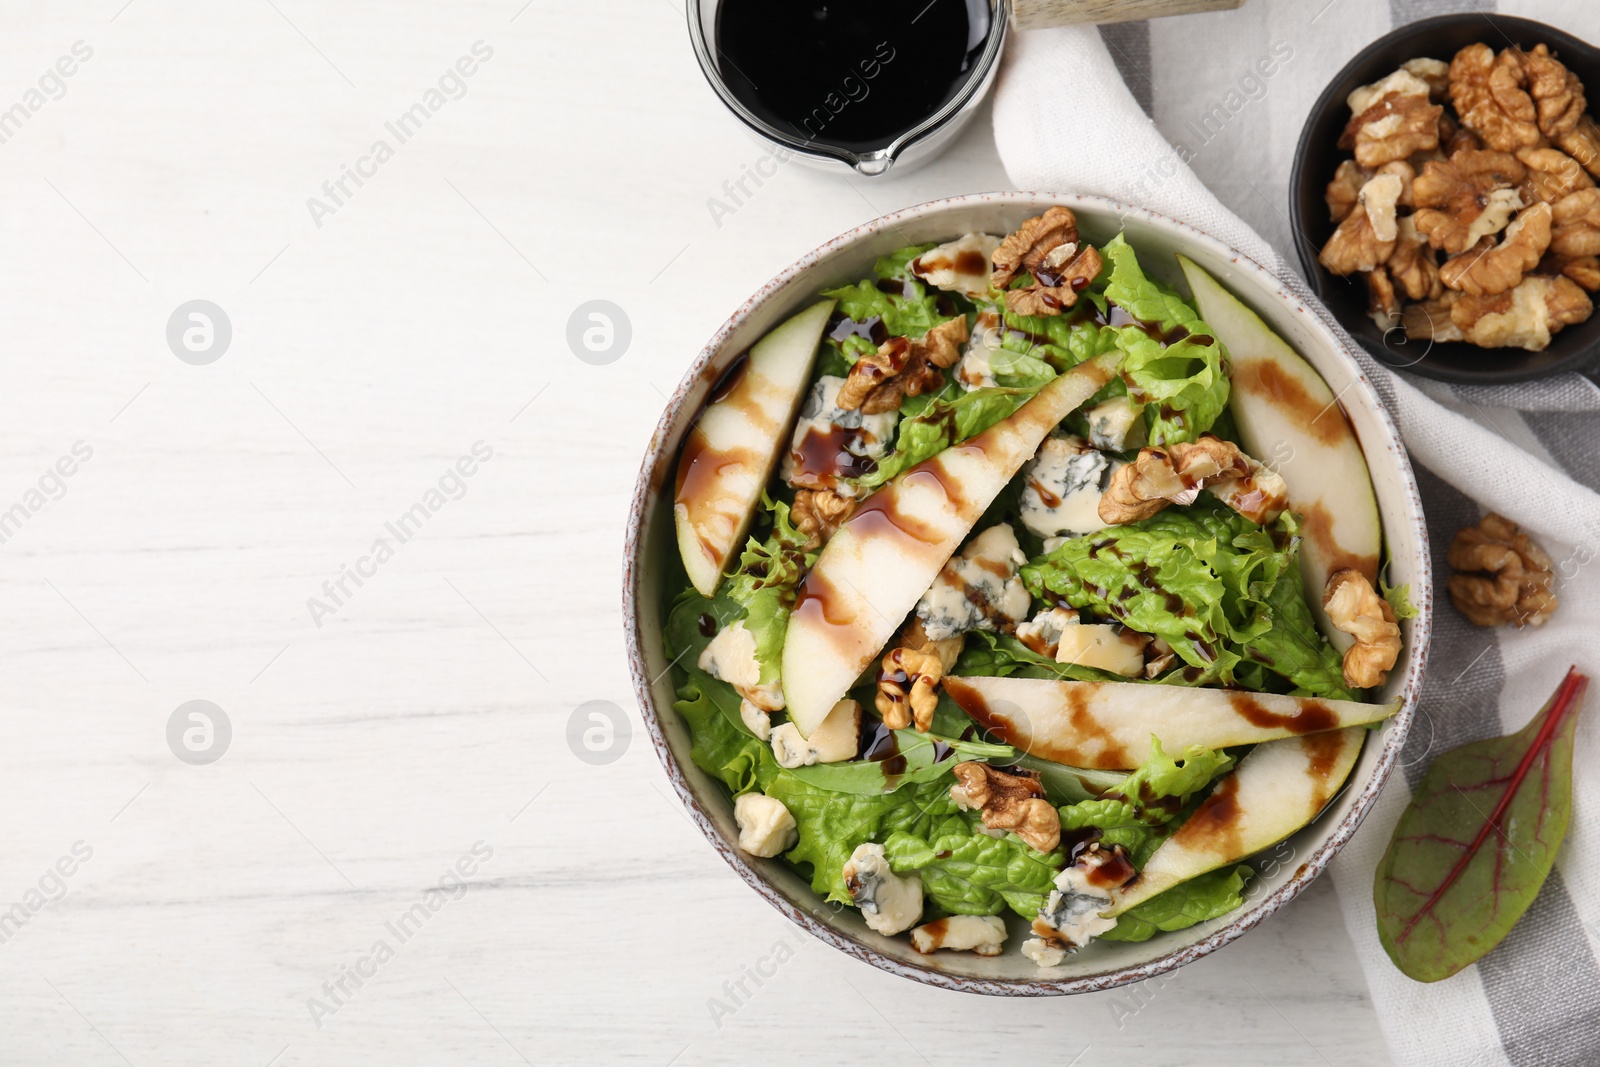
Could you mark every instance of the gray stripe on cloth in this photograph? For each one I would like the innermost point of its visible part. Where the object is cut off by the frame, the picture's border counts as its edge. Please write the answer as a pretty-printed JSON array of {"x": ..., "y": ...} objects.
[
  {"x": 1129, "y": 45},
  {"x": 1461, "y": 699},
  {"x": 1543, "y": 985},
  {"x": 1573, "y": 439}
]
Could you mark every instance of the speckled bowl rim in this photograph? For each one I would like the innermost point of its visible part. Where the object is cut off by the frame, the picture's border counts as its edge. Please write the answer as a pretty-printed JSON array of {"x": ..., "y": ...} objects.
[{"x": 1293, "y": 293}]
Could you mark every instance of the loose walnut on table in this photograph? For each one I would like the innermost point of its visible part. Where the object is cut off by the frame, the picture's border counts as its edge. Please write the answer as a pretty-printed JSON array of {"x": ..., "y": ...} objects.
[{"x": 1505, "y": 577}]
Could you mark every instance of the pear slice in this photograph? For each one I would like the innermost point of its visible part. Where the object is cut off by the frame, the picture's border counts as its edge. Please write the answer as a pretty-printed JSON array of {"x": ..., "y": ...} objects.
[
  {"x": 1108, "y": 725},
  {"x": 1290, "y": 420},
  {"x": 731, "y": 450},
  {"x": 878, "y": 564},
  {"x": 1276, "y": 789}
]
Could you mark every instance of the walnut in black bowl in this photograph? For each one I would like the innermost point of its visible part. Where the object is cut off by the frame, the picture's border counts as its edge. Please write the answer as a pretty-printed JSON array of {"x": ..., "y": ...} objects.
[{"x": 1493, "y": 225}]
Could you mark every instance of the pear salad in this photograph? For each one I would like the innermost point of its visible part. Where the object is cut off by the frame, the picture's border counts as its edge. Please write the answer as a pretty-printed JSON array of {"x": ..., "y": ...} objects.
[{"x": 1017, "y": 582}]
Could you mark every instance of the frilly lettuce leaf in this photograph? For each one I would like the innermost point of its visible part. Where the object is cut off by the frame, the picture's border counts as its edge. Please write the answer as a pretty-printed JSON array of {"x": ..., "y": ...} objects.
[
  {"x": 940, "y": 423},
  {"x": 1184, "y": 385},
  {"x": 1151, "y": 802},
  {"x": 832, "y": 824},
  {"x": 1209, "y": 896},
  {"x": 1004, "y": 655},
  {"x": 965, "y": 872},
  {"x": 910, "y": 312},
  {"x": 764, "y": 586},
  {"x": 1219, "y": 589}
]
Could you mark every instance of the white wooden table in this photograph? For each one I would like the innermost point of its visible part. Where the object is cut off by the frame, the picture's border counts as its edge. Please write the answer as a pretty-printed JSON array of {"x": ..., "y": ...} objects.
[{"x": 378, "y": 740}]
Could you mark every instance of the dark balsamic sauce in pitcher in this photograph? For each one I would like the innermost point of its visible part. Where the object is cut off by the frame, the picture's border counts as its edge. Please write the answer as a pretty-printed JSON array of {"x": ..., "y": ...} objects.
[{"x": 854, "y": 74}]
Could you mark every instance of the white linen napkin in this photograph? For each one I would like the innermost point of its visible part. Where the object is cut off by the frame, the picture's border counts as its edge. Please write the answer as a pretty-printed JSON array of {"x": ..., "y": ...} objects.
[{"x": 1065, "y": 119}]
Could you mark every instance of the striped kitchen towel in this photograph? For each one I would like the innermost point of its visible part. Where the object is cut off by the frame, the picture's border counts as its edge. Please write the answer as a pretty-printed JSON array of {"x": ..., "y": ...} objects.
[{"x": 1226, "y": 94}]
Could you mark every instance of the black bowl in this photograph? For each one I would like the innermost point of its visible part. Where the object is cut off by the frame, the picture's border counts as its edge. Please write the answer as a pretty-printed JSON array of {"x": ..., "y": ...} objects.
[{"x": 1576, "y": 348}]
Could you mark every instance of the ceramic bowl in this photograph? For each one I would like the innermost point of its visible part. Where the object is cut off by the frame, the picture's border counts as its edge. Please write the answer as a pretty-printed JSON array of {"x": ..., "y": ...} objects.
[
  {"x": 651, "y": 565},
  {"x": 1576, "y": 348}
]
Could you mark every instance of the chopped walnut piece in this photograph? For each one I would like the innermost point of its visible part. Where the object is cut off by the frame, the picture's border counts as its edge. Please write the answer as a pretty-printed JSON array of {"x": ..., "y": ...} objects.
[
  {"x": 1383, "y": 305},
  {"x": 1355, "y": 607},
  {"x": 1175, "y": 474},
  {"x": 1490, "y": 99},
  {"x": 908, "y": 684},
  {"x": 1413, "y": 265},
  {"x": 1505, "y": 576},
  {"x": 1523, "y": 317},
  {"x": 1354, "y": 246},
  {"x": 1552, "y": 174},
  {"x": 1494, "y": 268},
  {"x": 1582, "y": 143},
  {"x": 1466, "y": 197},
  {"x": 1407, "y": 174},
  {"x": 1047, "y": 247},
  {"x": 1345, "y": 189},
  {"x": 1008, "y": 802},
  {"x": 1431, "y": 319},
  {"x": 818, "y": 513},
  {"x": 1434, "y": 73},
  {"x": 1585, "y": 270},
  {"x": 1394, "y": 128},
  {"x": 1379, "y": 196},
  {"x": 902, "y": 367},
  {"x": 941, "y": 345},
  {"x": 1454, "y": 137},
  {"x": 1566, "y": 303},
  {"x": 1556, "y": 91},
  {"x": 1575, "y": 224}
]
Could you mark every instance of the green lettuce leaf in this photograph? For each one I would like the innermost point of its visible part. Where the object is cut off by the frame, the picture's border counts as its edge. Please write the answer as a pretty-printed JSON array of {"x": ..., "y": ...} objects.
[
  {"x": 965, "y": 872},
  {"x": 941, "y": 423},
  {"x": 1399, "y": 598},
  {"x": 1211, "y": 584},
  {"x": 1293, "y": 647},
  {"x": 1209, "y": 896},
  {"x": 764, "y": 586},
  {"x": 1184, "y": 384},
  {"x": 896, "y": 266},
  {"x": 926, "y": 757},
  {"x": 1004, "y": 656},
  {"x": 832, "y": 824},
  {"x": 1151, "y": 802},
  {"x": 910, "y": 312}
]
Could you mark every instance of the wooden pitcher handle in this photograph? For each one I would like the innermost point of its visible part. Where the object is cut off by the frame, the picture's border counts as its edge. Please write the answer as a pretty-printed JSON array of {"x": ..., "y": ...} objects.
[{"x": 1042, "y": 14}]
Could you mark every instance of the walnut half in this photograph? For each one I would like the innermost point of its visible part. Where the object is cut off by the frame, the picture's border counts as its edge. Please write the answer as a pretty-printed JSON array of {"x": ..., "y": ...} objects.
[
  {"x": 1175, "y": 474},
  {"x": 1490, "y": 268},
  {"x": 1504, "y": 577},
  {"x": 1490, "y": 96},
  {"x": 902, "y": 367},
  {"x": 1008, "y": 802},
  {"x": 1049, "y": 248},
  {"x": 1355, "y": 607},
  {"x": 818, "y": 513}
]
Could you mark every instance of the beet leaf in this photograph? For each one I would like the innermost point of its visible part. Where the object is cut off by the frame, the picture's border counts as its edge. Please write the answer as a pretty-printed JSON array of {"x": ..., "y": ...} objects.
[{"x": 1479, "y": 838}]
